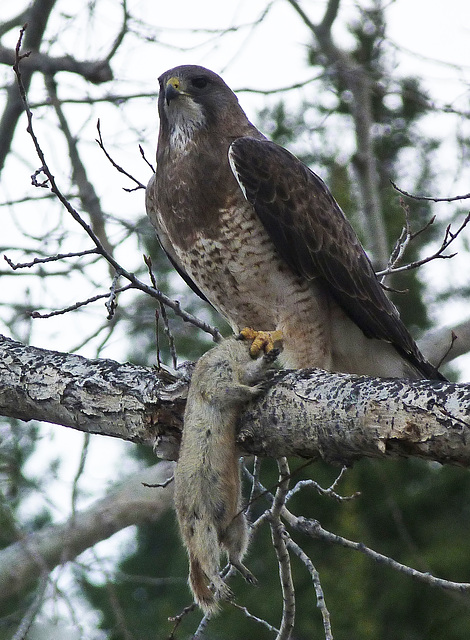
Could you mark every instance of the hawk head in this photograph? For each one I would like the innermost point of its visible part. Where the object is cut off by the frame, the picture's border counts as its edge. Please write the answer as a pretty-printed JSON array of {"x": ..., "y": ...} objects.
[{"x": 193, "y": 98}]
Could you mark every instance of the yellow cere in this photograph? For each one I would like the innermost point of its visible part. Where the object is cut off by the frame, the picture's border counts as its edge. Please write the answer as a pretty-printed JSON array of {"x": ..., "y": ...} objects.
[{"x": 175, "y": 83}]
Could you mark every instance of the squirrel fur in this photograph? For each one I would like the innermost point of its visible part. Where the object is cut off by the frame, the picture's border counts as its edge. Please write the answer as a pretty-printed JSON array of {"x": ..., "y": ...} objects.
[{"x": 207, "y": 477}]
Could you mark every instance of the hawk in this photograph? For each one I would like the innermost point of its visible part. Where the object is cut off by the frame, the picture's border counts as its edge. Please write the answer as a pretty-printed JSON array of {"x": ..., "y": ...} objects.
[{"x": 256, "y": 233}]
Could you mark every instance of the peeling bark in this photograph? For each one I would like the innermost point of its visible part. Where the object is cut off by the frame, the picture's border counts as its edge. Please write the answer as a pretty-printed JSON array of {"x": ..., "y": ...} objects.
[
  {"x": 97, "y": 396},
  {"x": 341, "y": 418},
  {"x": 305, "y": 413}
]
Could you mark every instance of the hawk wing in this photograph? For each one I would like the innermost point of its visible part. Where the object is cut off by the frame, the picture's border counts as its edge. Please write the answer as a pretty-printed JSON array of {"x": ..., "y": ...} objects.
[
  {"x": 165, "y": 243},
  {"x": 316, "y": 240}
]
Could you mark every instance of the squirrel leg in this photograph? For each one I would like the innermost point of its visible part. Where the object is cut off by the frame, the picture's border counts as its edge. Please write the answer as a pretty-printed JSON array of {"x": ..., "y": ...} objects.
[{"x": 235, "y": 541}]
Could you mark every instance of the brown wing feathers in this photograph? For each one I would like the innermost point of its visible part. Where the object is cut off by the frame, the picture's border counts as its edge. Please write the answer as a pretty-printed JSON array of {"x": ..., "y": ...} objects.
[{"x": 313, "y": 236}]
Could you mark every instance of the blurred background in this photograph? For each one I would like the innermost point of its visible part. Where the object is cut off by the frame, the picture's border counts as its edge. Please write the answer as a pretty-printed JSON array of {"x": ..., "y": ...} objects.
[{"x": 386, "y": 95}]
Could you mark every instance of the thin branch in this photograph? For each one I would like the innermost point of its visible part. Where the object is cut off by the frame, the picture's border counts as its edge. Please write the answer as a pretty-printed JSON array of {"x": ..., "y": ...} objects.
[
  {"x": 179, "y": 618},
  {"x": 144, "y": 157},
  {"x": 78, "y": 475},
  {"x": 283, "y": 89},
  {"x": 173, "y": 304},
  {"x": 28, "y": 619},
  {"x": 100, "y": 142},
  {"x": 109, "y": 98},
  {"x": 321, "y": 604},
  {"x": 449, "y": 238},
  {"x": 279, "y": 537},
  {"x": 78, "y": 305},
  {"x": 429, "y": 198},
  {"x": 56, "y": 258},
  {"x": 160, "y": 485},
  {"x": 250, "y": 616},
  {"x": 313, "y": 529},
  {"x": 330, "y": 492},
  {"x": 111, "y": 302},
  {"x": 166, "y": 324}
]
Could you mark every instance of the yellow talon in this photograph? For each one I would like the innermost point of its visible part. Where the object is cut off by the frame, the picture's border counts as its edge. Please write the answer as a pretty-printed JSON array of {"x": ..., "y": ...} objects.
[{"x": 261, "y": 341}]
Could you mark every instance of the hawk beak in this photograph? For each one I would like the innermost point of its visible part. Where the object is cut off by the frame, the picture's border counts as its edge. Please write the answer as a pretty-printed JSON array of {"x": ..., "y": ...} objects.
[{"x": 172, "y": 89}]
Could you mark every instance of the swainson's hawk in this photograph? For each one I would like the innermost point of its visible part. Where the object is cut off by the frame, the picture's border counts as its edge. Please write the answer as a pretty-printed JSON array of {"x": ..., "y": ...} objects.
[{"x": 258, "y": 234}]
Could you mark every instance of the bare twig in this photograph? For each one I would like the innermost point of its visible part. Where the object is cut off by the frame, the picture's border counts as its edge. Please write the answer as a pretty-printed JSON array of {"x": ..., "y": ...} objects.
[
  {"x": 321, "y": 604},
  {"x": 81, "y": 467},
  {"x": 449, "y": 238},
  {"x": 56, "y": 258},
  {"x": 330, "y": 492},
  {"x": 137, "y": 284},
  {"x": 279, "y": 538},
  {"x": 429, "y": 198},
  {"x": 401, "y": 243},
  {"x": 284, "y": 89},
  {"x": 249, "y": 615},
  {"x": 163, "y": 313},
  {"x": 144, "y": 157},
  {"x": 28, "y": 619},
  {"x": 255, "y": 484},
  {"x": 159, "y": 485},
  {"x": 111, "y": 302},
  {"x": 78, "y": 305},
  {"x": 100, "y": 142},
  {"x": 313, "y": 529},
  {"x": 179, "y": 618}
]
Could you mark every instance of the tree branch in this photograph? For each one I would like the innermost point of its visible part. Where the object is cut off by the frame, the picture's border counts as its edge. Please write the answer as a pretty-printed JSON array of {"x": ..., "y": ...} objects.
[
  {"x": 131, "y": 503},
  {"x": 305, "y": 413},
  {"x": 355, "y": 78},
  {"x": 446, "y": 343},
  {"x": 38, "y": 15},
  {"x": 94, "y": 396},
  {"x": 95, "y": 71}
]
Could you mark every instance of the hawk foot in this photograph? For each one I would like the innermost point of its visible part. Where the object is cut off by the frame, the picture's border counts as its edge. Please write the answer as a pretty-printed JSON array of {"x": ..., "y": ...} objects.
[{"x": 261, "y": 341}]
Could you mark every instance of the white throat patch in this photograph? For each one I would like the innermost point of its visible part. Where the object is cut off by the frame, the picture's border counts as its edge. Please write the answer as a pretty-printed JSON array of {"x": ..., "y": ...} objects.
[{"x": 185, "y": 118}]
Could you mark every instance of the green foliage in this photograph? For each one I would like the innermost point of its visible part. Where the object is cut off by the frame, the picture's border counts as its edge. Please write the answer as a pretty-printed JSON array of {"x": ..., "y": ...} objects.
[{"x": 412, "y": 511}]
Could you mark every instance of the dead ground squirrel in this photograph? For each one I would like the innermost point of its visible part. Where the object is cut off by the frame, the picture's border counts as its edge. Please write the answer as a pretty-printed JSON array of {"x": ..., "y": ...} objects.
[{"x": 207, "y": 476}]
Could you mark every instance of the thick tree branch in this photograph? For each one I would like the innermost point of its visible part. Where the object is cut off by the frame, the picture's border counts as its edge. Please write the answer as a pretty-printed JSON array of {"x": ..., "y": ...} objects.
[
  {"x": 305, "y": 413},
  {"x": 95, "y": 396},
  {"x": 37, "y": 554},
  {"x": 446, "y": 343}
]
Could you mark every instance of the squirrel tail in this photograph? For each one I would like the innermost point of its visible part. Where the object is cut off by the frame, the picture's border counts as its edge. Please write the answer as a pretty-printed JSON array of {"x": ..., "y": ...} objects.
[
  {"x": 204, "y": 563},
  {"x": 207, "y": 590}
]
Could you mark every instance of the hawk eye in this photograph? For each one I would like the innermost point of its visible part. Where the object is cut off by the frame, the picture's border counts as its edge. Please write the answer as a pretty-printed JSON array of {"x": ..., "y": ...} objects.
[{"x": 199, "y": 82}]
